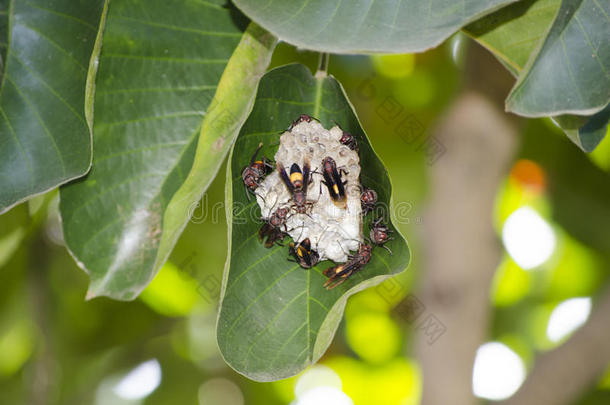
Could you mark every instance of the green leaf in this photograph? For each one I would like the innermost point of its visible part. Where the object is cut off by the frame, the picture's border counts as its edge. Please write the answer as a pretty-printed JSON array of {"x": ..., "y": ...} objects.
[
  {"x": 175, "y": 83},
  {"x": 586, "y": 132},
  {"x": 570, "y": 73},
  {"x": 513, "y": 34},
  {"x": 275, "y": 317},
  {"x": 338, "y": 26},
  {"x": 46, "y": 49}
]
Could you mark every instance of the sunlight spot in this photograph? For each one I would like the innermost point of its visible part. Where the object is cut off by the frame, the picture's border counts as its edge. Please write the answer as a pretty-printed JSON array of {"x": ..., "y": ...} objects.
[
  {"x": 568, "y": 316},
  {"x": 220, "y": 391},
  {"x": 498, "y": 371},
  {"x": 316, "y": 376},
  {"x": 140, "y": 382},
  {"x": 528, "y": 238},
  {"x": 394, "y": 66},
  {"x": 324, "y": 396}
]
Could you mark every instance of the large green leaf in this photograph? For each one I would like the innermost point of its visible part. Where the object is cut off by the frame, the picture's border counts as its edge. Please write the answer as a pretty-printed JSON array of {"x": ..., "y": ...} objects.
[
  {"x": 570, "y": 73},
  {"x": 275, "y": 317},
  {"x": 162, "y": 103},
  {"x": 513, "y": 34},
  {"x": 46, "y": 48},
  {"x": 366, "y": 25}
]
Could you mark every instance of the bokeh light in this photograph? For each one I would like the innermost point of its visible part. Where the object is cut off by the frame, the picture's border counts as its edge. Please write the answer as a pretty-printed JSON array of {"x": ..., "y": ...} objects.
[
  {"x": 417, "y": 90},
  {"x": 577, "y": 272},
  {"x": 528, "y": 238},
  {"x": 316, "y": 376},
  {"x": 220, "y": 391},
  {"x": 16, "y": 346},
  {"x": 394, "y": 66},
  {"x": 140, "y": 382},
  {"x": 324, "y": 396},
  {"x": 172, "y": 292},
  {"x": 498, "y": 371},
  {"x": 529, "y": 175},
  {"x": 511, "y": 283},
  {"x": 374, "y": 336},
  {"x": 568, "y": 316},
  {"x": 397, "y": 382}
]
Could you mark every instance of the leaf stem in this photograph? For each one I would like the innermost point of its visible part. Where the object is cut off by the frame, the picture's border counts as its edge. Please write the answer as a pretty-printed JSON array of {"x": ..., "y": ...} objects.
[{"x": 323, "y": 64}]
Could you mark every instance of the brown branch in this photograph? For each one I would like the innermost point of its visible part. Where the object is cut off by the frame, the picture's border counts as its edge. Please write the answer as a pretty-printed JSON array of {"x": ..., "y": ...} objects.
[
  {"x": 561, "y": 375},
  {"x": 461, "y": 248}
]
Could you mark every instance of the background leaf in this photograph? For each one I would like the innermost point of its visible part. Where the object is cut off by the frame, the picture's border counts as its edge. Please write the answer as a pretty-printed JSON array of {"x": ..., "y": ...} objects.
[
  {"x": 338, "y": 26},
  {"x": 275, "y": 317},
  {"x": 586, "y": 132},
  {"x": 513, "y": 34},
  {"x": 44, "y": 137},
  {"x": 160, "y": 68},
  {"x": 570, "y": 73}
]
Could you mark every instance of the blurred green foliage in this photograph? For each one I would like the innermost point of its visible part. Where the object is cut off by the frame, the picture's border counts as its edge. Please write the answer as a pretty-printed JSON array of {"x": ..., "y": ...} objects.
[{"x": 57, "y": 348}]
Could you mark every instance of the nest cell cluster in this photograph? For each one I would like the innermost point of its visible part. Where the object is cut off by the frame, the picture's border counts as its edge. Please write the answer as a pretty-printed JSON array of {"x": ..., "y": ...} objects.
[
  {"x": 332, "y": 229},
  {"x": 313, "y": 194}
]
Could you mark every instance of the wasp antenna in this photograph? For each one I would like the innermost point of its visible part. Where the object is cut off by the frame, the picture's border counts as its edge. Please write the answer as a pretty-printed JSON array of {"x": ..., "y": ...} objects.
[
  {"x": 344, "y": 251},
  {"x": 321, "y": 234},
  {"x": 277, "y": 198},
  {"x": 253, "y": 159},
  {"x": 302, "y": 229}
]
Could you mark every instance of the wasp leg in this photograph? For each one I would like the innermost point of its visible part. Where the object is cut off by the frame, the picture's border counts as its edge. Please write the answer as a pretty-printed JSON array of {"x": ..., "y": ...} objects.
[
  {"x": 387, "y": 248},
  {"x": 258, "y": 195},
  {"x": 332, "y": 282},
  {"x": 247, "y": 192}
]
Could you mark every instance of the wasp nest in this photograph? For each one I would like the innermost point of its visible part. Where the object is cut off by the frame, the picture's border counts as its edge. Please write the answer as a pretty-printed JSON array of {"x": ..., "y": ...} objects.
[{"x": 333, "y": 229}]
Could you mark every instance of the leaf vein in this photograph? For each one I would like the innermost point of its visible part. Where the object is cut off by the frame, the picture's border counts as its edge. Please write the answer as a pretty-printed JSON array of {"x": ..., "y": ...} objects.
[
  {"x": 41, "y": 122},
  {"x": 259, "y": 296},
  {"x": 266, "y": 327}
]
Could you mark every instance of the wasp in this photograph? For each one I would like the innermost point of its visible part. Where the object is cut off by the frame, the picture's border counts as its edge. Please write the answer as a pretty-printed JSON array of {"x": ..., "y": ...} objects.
[
  {"x": 297, "y": 184},
  {"x": 380, "y": 234},
  {"x": 302, "y": 118},
  {"x": 341, "y": 272},
  {"x": 304, "y": 254},
  {"x": 254, "y": 173},
  {"x": 368, "y": 199},
  {"x": 332, "y": 180},
  {"x": 271, "y": 231},
  {"x": 349, "y": 140}
]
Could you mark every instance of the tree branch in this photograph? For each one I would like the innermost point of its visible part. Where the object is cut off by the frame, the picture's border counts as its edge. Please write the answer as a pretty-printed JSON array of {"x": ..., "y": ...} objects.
[
  {"x": 561, "y": 375},
  {"x": 461, "y": 249}
]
